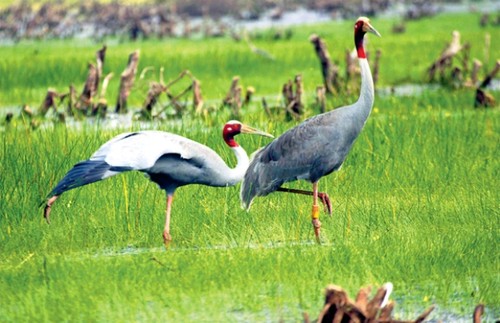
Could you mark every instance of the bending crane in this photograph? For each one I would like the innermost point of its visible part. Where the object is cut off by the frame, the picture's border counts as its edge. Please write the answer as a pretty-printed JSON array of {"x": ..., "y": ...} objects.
[{"x": 170, "y": 161}]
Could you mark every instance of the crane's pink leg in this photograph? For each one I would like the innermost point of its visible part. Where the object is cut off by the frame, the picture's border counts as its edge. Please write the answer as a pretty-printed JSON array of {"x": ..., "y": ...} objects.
[
  {"x": 166, "y": 233},
  {"x": 325, "y": 199},
  {"x": 315, "y": 211},
  {"x": 48, "y": 207}
]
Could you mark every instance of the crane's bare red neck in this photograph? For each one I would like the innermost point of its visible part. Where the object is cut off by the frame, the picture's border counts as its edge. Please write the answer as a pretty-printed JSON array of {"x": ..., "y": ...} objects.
[
  {"x": 359, "y": 34},
  {"x": 229, "y": 132}
]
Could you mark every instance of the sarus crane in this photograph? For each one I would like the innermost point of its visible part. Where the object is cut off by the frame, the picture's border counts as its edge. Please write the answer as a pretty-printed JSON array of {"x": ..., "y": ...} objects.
[
  {"x": 314, "y": 148},
  {"x": 168, "y": 159}
]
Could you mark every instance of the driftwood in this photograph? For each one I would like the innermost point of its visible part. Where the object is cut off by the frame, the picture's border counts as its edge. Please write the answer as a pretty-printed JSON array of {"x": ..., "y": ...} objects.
[
  {"x": 26, "y": 111},
  {"x": 100, "y": 57},
  {"x": 197, "y": 97},
  {"x": 229, "y": 99},
  {"x": 340, "y": 308},
  {"x": 293, "y": 100},
  {"x": 175, "y": 99},
  {"x": 473, "y": 81},
  {"x": 233, "y": 97},
  {"x": 248, "y": 95},
  {"x": 127, "y": 82},
  {"x": 484, "y": 99},
  {"x": 48, "y": 102},
  {"x": 237, "y": 102},
  {"x": 321, "y": 98},
  {"x": 329, "y": 70},
  {"x": 157, "y": 88},
  {"x": 8, "y": 117},
  {"x": 491, "y": 75},
  {"x": 101, "y": 108},
  {"x": 154, "y": 92},
  {"x": 444, "y": 60},
  {"x": 84, "y": 102},
  {"x": 71, "y": 99},
  {"x": 299, "y": 90}
]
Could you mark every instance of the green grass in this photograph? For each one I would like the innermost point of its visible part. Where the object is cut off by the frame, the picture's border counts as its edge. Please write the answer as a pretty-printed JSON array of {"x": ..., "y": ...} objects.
[
  {"x": 30, "y": 67},
  {"x": 416, "y": 203}
]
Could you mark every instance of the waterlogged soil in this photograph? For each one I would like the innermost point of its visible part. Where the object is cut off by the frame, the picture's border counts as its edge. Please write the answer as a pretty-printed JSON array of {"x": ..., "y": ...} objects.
[{"x": 438, "y": 314}]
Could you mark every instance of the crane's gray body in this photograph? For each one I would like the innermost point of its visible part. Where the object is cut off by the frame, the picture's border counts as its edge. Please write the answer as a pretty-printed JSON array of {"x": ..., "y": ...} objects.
[
  {"x": 170, "y": 161},
  {"x": 311, "y": 150}
]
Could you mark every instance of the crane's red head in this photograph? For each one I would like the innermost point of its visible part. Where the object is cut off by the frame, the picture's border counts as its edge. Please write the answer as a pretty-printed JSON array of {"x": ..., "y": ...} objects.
[
  {"x": 361, "y": 27},
  {"x": 233, "y": 128}
]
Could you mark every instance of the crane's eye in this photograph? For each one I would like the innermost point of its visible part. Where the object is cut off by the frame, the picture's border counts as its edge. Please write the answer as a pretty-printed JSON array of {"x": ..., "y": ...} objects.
[{"x": 229, "y": 129}]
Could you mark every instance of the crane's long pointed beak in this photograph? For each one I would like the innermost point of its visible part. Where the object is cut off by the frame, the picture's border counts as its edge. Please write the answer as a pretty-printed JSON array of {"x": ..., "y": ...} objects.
[
  {"x": 373, "y": 30},
  {"x": 253, "y": 131}
]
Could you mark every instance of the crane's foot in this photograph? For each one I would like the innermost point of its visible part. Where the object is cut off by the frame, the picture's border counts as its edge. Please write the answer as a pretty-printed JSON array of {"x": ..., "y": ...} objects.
[
  {"x": 48, "y": 208},
  {"x": 315, "y": 222},
  {"x": 325, "y": 199},
  {"x": 166, "y": 239},
  {"x": 317, "y": 227},
  {"x": 46, "y": 213}
]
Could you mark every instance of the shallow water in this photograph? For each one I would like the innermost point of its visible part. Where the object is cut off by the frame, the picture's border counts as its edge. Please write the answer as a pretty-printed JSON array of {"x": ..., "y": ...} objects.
[
  {"x": 128, "y": 121},
  {"x": 438, "y": 314}
]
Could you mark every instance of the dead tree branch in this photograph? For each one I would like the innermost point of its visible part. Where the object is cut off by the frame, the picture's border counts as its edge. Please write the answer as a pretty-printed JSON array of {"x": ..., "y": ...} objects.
[
  {"x": 71, "y": 97},
  {"x": 293, "y": 100},
  {"x": 329, "y": 70},
  {"x": 321, "y": 98},
  {"x": 444, "y": 60},
  {"x": 197, "y": 97},
  {"x": 228, "y": 100},
  {"x": 101, "y": 107},
  {"x": 340, "y": 308},
  {"x": 84, "y": 102},
  {"x": 484, "y": 99},
  {"x": 127, "y": 82},
  {"x": 48, "y": 102},
  {"x": 100, "y": 57}
]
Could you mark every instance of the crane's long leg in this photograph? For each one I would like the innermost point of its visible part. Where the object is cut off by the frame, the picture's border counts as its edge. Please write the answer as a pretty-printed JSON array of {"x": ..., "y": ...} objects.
[
  {"x": 166, "y": 232},
  {"x": 315, "y": 211},
  {"x": 48, "y": 207},
  {"x": 325, "y": 199}
]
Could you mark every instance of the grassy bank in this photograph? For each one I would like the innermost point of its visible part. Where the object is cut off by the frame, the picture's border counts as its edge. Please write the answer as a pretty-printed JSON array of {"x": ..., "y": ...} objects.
[{"x": 416, "y": 202}]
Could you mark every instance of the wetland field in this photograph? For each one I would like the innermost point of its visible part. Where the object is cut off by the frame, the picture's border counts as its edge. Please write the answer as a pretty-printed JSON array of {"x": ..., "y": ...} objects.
[{"x": 416, "y": 203}]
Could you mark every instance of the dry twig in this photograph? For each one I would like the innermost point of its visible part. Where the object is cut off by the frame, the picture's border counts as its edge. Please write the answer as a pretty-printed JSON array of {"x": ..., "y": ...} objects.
[{"x": 127, "y": 82}]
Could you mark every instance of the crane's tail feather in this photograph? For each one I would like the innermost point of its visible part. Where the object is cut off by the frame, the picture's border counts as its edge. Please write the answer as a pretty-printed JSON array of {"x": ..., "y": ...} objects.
[
  {"x": 247, "y": 193},
  {"x": 86, "y": 172}
]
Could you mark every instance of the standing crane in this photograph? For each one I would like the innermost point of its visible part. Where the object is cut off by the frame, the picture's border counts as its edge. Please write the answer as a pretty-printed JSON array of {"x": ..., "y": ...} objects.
[
  {"x": 316, "y": 147},
  {"x": 168, "y": 159}
]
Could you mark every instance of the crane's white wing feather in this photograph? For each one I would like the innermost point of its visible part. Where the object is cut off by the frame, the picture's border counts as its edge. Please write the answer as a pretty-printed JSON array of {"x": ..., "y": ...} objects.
[{"x": 140, "y": 150}]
